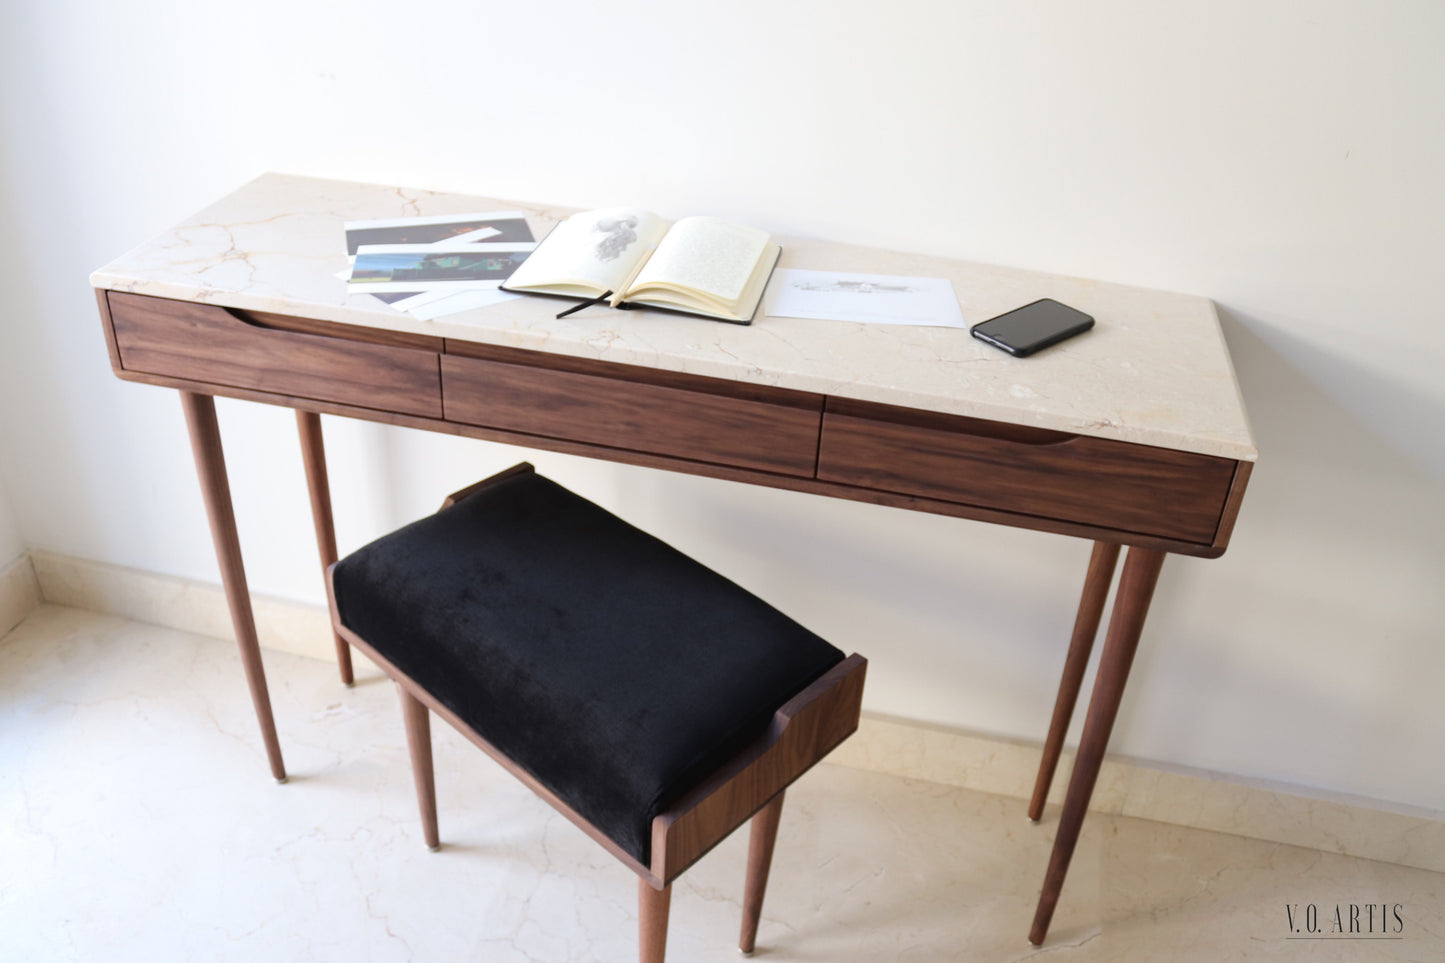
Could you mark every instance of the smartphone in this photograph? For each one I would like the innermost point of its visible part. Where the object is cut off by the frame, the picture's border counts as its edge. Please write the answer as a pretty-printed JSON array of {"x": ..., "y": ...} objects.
[{"x": 1025, "y": 330}]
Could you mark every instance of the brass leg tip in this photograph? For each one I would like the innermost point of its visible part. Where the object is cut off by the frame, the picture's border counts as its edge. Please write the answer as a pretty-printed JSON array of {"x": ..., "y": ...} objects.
[
  {"x": 434, "y": 849},
  {"x": 281, "y": 780}
]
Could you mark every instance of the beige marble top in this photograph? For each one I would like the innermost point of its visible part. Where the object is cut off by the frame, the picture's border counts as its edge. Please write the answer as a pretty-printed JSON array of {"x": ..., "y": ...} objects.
[{"x": 1154, "y": 370}]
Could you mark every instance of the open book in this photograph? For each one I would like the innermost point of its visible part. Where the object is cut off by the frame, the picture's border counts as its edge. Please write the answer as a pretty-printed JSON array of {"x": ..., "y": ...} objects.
[{"x": 699, "y": 265}]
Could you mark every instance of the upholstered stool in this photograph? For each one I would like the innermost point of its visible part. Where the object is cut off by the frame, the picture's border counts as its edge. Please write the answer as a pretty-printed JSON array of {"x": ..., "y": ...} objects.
[{"x": 650, "y": 700}]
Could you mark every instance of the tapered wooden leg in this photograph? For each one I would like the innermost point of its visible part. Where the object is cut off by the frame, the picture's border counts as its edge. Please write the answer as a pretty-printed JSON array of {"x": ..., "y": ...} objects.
[
  {"x": 1131, "y": 605},
  {"x": 653, "y": 906},
  {"x": 1086, "y": 627},
  {"x": 313, "y": 455},
  {"x": 216, "y": 489},
  {"x": 760, "y": 859},
  {"x": 417, "y": 719}
]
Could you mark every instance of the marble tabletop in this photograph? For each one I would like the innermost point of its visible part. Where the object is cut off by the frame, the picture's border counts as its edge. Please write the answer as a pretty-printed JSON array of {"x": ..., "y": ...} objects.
[{"x": 1154, "y": 370}]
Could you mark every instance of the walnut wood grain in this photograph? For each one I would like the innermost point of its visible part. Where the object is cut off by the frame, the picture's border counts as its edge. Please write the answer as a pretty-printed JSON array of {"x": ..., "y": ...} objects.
[
  {"x": 108, "y": 328},
  {"x": 332, "y": 329},
  {"x": 417, "y": 722},
  {"x": 633, "y": 373},
  {"x": 654, "y": 906},
  {"x": 1231, "y": 505},
  {"x": 1086, "y": 627},
  {"x": 313, "y": 457},
  {"x": 211, "y": 344},
  {"x": 1074, "y": 478},
  {"x": 200, "y": 412},
  {"x": 615, "y": 413},
  {"x": 1131, "y": 607},
  {"x": 761, "y": 839},
  {"x": 803, "y": 731},
  {"x": 795, "y": 483},
  {"x": 521, "y": 468}
]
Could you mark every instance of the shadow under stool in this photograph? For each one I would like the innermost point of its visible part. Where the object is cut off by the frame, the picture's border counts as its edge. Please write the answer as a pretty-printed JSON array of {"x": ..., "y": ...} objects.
[{"x": 651, "y": 701}]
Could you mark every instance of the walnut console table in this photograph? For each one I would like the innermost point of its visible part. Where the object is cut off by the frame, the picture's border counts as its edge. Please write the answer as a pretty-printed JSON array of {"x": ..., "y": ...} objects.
[{"x": 1132, "y": 436}]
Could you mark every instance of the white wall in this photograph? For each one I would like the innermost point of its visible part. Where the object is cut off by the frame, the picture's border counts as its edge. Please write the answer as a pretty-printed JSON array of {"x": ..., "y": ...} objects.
[
  {"x": 1281, "y": 158},
  {"x": 11, "y": 545}
]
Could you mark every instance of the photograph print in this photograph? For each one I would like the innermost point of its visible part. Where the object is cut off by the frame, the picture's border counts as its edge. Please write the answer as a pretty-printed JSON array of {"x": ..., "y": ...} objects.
[
  {"x": 501, "y": 227},
  {"x": 394, "y": 268}
]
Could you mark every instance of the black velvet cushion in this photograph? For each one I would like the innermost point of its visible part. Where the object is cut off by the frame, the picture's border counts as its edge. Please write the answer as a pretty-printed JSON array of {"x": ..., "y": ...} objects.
[{"x": 616, "y": 670}]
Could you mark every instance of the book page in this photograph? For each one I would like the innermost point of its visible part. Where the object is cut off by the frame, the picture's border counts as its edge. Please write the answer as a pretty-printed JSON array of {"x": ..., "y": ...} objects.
[
  {"x": 741, "y": 310},
  {"x": 591, "y": 250},
  {"x": 705, "y": 254}
]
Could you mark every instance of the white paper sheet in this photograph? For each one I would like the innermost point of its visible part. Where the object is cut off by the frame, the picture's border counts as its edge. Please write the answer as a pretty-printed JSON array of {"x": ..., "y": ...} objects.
[
  {"x": 455, "y": 303},
  {"x": 867, "y": 298},
  {"x": 412, "y": 302}
]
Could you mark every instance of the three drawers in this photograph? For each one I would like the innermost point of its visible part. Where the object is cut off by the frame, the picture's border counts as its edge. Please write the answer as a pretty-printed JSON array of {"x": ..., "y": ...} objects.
[{"x": 1042, "y": 478}]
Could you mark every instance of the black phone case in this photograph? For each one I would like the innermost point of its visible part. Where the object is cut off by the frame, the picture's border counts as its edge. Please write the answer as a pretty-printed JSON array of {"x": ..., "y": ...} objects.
[{"x": 1078, "y": 324}]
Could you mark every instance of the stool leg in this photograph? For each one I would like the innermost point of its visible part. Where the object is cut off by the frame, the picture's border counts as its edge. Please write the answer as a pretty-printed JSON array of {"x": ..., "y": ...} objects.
[
  {"x": 652, "y": 910},
  {"x": 418, "y": 742},
  {"x": 760, "y": 859}
]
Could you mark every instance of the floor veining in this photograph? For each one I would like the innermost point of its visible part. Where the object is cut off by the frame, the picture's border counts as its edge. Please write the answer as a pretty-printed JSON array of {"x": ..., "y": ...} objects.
[{"x": 138, "y": 822}]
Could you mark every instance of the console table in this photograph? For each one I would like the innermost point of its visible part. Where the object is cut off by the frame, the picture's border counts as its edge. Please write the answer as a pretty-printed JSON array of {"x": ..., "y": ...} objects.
[{"x": 1133, "y": 435}]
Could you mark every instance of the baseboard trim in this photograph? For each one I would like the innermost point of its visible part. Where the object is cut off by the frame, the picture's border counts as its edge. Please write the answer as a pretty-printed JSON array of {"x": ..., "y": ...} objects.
[
  {"x": 1220, "y": 802},
  {"x": 178, "y": 603},
  {"x": 19, "y": 592}
]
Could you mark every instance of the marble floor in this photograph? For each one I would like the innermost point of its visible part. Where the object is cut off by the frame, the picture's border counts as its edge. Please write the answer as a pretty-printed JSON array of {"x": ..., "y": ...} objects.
[{"x": 138, "y": 823}]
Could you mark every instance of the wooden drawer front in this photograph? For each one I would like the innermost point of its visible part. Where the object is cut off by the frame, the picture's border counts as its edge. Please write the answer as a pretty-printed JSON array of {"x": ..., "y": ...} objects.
[
  {"x": 1090, "y": 481},
  {"x": 210, "y": 344},
  {"x": 616, "y": 413}
]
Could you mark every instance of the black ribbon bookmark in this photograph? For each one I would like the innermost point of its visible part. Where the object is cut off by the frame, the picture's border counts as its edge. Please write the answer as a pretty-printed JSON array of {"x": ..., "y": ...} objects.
[{"x": 586, "y": 304}]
